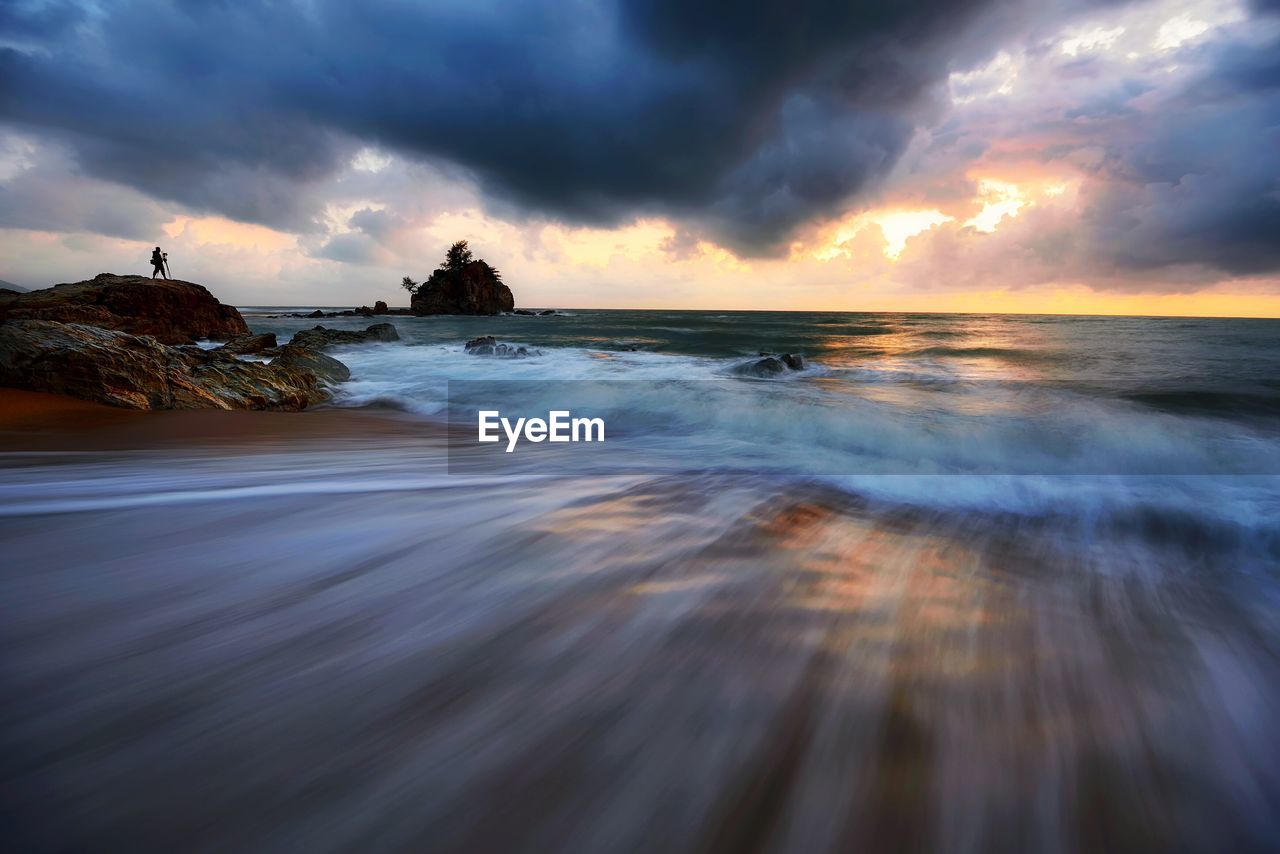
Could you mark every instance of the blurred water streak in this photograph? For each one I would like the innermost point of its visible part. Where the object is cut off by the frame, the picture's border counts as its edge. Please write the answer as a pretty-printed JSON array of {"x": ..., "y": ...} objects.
[{"x": 353, "y": 650}]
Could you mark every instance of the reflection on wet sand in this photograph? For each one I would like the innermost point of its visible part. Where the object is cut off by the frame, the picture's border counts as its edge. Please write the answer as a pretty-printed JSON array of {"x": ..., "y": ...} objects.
[{"x": 713, "y": 663}]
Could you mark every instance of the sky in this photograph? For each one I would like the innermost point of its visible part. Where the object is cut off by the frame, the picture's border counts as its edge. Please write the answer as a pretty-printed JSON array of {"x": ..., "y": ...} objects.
[{"x": 1055, "y": 156}]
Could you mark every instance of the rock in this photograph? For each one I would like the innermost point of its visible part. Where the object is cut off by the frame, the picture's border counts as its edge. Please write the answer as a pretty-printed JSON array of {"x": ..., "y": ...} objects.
[
  {"x": 141, "y": 373},
  {"x": 769, "y": 366},
  {"x": 526, "y": 312},
  {"x": 171, "y": 311},
  {"x": 473, "y": 288},
  {"x": 481, "y": 346},
  {"x": 546, "y": 311},
  {"x": 324, "y": 367},
  {"x": 320, "y": 337},
  {"x": 487, "y": 345},
  {"x": 247, "y": 345},
  {"x": 379, "y": 307}
]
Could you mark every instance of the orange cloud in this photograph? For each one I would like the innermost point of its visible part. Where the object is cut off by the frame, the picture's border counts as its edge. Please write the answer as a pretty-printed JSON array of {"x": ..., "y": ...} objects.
[{"x": 214, "y": 230}]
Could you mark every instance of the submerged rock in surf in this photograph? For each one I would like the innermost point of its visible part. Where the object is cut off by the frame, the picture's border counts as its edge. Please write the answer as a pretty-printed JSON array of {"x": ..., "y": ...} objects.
[
  {"x": 794, "y": 361},
  {"x": 320, "y": 337},
  {"x": 487, "y": 345},
  {"x": 771, "y": 365}
]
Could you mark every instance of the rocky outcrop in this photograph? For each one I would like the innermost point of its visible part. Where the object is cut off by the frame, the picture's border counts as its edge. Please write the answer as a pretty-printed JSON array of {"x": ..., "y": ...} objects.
[
  {"x": 473, "y": 288},
  {"x": 487, "y": 345},
  {"x": 139, "y": 372},
  {"x": 171, "y": 311},
  {"x": 320, "y": 337},
  {"x": 248, "y": 345},
  {"x": 379, "y": 307},
  {"x": 324, "y": 367}
]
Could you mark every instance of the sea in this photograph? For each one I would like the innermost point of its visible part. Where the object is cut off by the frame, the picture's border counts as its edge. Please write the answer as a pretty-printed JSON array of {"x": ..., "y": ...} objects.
[{"x": 964, "y": 582}]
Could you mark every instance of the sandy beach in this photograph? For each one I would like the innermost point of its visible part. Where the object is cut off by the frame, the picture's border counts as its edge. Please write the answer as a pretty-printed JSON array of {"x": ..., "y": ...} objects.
[
  {"x": 230, "y": 630},
  {"x": 38, "y": 421}
]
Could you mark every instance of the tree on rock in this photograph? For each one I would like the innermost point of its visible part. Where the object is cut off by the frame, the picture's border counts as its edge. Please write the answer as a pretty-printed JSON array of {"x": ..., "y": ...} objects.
[
  {"x": 463, "y": 284},
  {"x": 458, "y": 256}
]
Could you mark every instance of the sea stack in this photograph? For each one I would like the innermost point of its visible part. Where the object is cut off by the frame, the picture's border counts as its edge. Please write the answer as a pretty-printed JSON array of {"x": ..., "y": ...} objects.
[{"x": 462, "y": 285}]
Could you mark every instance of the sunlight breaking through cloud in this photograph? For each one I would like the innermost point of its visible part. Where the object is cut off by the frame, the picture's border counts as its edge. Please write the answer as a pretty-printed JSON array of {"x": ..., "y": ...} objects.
[
  {"x": 1095, "y": 39},
  {"x": 900, "y": 226},
  {"x": 999, "y": 200}
]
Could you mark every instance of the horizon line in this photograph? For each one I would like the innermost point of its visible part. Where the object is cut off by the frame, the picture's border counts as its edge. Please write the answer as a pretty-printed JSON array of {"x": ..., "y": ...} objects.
[{"x": 353, "y": 306}]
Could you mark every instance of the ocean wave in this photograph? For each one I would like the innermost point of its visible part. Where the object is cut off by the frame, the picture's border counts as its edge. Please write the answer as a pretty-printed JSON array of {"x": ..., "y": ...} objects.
[
  {"x": 1013, "y": 354},
  {"x": 1228, "y": 404},
  {"x": 991, "y": 434},
  {"x": 819, "y": 420}
]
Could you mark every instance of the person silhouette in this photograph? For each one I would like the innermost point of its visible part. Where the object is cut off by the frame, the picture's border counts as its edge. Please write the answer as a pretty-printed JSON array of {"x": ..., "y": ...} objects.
[{"x": 157, "y": 262}]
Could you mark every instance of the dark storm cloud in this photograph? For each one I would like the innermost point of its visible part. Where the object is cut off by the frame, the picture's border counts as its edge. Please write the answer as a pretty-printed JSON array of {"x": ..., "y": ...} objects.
[
  {"x": 1198, "y": 182},
  {"x": 740, "y": 121},
  {"x": 744, "y": 120},
  {"x": 38, "y": 20},
  {"x": 49, "y": 196}
]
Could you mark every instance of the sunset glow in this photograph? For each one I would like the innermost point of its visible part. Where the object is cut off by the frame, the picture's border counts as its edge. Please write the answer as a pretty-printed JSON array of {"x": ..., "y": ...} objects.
[
  {"x": 999, "y": 200},
  {"x": 1091, "y": 166}
]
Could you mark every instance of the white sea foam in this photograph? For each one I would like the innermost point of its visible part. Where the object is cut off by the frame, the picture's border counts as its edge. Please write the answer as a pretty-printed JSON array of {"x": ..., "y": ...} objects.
[{"x": 877, "y": 431}]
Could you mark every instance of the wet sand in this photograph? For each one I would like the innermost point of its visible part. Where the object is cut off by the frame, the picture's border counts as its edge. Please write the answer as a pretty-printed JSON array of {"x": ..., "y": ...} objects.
[
  {"x": 37, "y": 421},
  {"x": 331, "y": 644}
]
